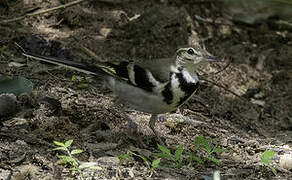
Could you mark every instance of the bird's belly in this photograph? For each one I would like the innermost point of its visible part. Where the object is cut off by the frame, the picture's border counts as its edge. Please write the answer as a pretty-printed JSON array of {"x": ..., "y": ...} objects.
[
  {"x": 154, "y": 103},
  {"x": 150, "y": 102},
  {"x": 147, "y": 102},
  {"x": 138, "y": 98}
]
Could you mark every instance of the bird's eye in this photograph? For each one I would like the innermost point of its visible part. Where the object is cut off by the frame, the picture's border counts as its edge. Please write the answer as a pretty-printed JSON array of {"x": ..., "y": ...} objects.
[{"x": 191, "y": 51}]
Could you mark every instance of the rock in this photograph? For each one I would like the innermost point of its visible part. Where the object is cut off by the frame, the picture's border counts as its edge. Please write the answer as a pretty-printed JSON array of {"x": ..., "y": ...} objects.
[
  {"x": 286, "y": 161},
  {"x": 8, "y": 105},
  {"x": 108, "y": 161}
]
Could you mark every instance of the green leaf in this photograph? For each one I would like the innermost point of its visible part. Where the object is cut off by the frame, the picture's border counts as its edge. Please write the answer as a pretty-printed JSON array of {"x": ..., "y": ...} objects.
[
  {"x": 61, "y": 161},
  {"x": 273, "y": 170},
  {"x": 179, "y": 120},
  {"x": 68, "y": 143},
  {"x": 202, "y": 142},
  {"x": 82, "y": 86},
  {"x": 218, "y": 150},
  {"x": 59, "y": 143},
  {"x": 74, "y": 78},
  {"x": 164, "y": 149},
  {"x": 75, "y": 169},
  {"x": 76, "y": 151},
  {"x": 179, "y": 164},
  {"x": 178, "y": 153},
  {"x": 4, "y": 50},
  {"x": 267, "y": 156},
  {"x": 155, "y": 163},
  {"x": 124, "y": 156},
  {"x": 69, "y": 159},
  {"x": 189, "y": 159},
  {"x": 207, "y": 145},
  {"x": 140, "y": 156},
  {"x": 199, "y": 142},
  {"x": 199, "y": 160},
  {"x": 162, "y": 155},
  {"x": 16, "y": 85},
  {"x": 60, "y": 148},
  {"x": 213, "y": 159}
]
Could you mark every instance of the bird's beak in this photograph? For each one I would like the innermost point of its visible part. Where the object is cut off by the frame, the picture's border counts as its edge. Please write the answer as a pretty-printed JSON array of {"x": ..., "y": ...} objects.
[{"x": 211, "y": 58}]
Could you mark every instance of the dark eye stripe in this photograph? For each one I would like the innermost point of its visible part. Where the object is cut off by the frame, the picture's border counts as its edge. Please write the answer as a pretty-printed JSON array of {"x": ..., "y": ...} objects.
[{"x": 188, "y": 59}]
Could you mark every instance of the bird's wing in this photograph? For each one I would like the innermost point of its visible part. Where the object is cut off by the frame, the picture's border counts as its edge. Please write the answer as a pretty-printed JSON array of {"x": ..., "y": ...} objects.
[{"x": 159, "y": 68}]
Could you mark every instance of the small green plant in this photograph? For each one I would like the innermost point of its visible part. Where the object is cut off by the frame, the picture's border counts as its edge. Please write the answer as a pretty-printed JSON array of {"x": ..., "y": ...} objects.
[
  {"x": 177, "y": 158},
  {"x": 131, "y": 154},
  {"x": 266, "y": 159},
  {"x": 4, "y": 50},
  {"x": 70, "y": 160},
  {"x": 155, "y": 163},
  {"x": 174, "y": 160},
  {"x": 79, "y": 82},
  {"x": 177, "y": 120},
  {"x": 205, "y": 144}
]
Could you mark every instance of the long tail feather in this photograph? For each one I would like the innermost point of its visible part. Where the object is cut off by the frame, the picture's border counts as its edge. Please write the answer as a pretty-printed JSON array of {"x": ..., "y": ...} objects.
[{"x": 81, "y": 67}]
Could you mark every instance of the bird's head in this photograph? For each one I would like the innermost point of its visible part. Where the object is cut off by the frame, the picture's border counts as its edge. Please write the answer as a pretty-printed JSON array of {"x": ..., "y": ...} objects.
[{"x": 194, "y": 56}]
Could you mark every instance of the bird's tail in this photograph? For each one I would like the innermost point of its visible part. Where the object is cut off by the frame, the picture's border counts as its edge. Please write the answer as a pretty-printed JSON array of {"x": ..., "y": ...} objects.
[{"x": 99, "y": 69}]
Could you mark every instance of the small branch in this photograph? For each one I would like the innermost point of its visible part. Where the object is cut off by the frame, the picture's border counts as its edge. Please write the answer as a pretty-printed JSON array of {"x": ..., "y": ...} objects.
[
  {"x": 226, "y": 89},
  {"x": 204, "y": 20},
  {"x": 223, "y": 69},
  {"x": 205, "y": 74},
  {"x": 42, "y": 11},
  {"x": 91, "y": 54}
]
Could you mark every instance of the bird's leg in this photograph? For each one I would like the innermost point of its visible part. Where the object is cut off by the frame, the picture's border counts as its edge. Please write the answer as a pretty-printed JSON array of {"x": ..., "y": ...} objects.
[{"x": 152, "y": 122}]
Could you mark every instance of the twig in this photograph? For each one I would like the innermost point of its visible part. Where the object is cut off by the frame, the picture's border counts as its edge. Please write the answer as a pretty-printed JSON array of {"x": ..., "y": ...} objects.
[
  {"x": 223, "y": 69},
  {"x": 226, "y": 89},
  {"x": 204, "y": 20},
  {"x": 205, "y": 74},
  {"x": 21, "y": 48},
  {"x": 42, "y": 11},
  {"x": 91, "y": 54}
]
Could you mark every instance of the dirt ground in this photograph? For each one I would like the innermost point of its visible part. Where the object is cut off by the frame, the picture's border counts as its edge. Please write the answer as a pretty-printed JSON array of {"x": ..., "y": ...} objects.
[{"x": 244, "y": 103}]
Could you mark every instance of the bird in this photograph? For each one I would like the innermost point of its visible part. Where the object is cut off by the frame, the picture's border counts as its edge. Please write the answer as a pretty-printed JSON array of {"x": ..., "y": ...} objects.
[{"x": 154, "y": 86}]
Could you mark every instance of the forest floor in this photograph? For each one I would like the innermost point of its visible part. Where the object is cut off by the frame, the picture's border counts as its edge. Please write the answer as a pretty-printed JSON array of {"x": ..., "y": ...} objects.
[{"x": 243, "y": 104}]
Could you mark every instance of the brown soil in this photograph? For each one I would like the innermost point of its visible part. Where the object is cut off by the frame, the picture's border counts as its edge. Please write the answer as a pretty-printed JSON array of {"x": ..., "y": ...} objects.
[{"x": 256, "y": 68}]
